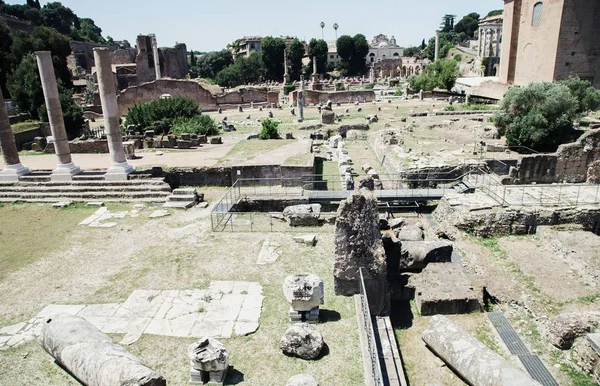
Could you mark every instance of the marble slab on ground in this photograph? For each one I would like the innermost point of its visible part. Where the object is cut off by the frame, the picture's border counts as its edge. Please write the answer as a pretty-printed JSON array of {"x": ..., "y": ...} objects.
[
  {"x": 100, "y": 218},
  {"x": 224, "y": 309},
  {"x": 269, "y": 252}
]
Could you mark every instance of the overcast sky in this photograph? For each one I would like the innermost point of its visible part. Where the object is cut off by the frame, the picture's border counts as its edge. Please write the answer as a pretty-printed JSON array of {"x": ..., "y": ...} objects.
[{"x": 206, "y": 25}]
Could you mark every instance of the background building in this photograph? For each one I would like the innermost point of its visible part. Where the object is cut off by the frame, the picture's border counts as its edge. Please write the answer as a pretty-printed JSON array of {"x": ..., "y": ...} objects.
[
  {"x": 549, "y": 40},
  {"x": 383, "y": 48}
]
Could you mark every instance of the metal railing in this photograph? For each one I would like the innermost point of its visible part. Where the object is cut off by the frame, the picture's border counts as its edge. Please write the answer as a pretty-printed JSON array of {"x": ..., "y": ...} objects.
[{"x": 369, "y": 331}]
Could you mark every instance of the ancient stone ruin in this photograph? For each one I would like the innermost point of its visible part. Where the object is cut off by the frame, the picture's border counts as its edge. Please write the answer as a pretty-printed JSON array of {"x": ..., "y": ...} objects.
[
  {"x": 209, "y": 360},
  {"x": 303, "y": 341},
  {"x": 305, "y": 293},
  {"x": 358, "y": 244}
]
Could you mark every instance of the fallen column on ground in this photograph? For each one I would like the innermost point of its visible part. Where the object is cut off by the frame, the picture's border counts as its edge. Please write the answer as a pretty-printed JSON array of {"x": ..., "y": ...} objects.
[
  {"x": 91, "y": 356},
  {"x": 472, "y": 360}
]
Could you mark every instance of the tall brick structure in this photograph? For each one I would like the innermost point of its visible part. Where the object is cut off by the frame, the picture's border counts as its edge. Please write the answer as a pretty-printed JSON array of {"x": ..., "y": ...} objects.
[{"x": 546, "y": 40}]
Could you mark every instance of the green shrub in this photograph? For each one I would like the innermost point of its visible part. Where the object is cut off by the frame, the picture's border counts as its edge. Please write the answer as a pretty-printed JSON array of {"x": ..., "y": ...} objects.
[
  {"x": 369, "y": 86},
  {"x": 200, "y": 124},
  {"x": 440, "y": 74},
  {"x": 539, "y": 116},
  {"x": 398, "y": 92},
  {"x": 146, "y": 114},
  {"x": 288, "y": 88},
  {"x": 458, "y": 57},
  {"x": 269, "y": 130},
  {"x": 450, "y": 108},
  {"x": 340, "y": 86}
]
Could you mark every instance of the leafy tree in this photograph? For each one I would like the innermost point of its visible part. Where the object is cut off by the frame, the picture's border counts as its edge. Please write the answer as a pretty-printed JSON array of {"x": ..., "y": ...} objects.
[
  {"x": 319, "y": 49},
  {"x": 468, "y": 25},
  {"x": 210, "y": 64},
  {"x": 34, "y": 4},
  {"x": 110, "y": 40},
  {"x": 245, "y": 70},
  {"x": 44, "y": 39},
  {"x": 193, "y": 60},
  {"x": 495, "y": 12},
  {"x": 295, "y": 55},
  {"x": 87, "y": 31},
  {"x": 457, "y": 57},
  {"x": 423, "y": 45},
  {"x": 345, "y": 47},
  {"x": 272, "y": 57},
  {"x": 587, "y": 96},
  {"x": 440, "y": 74},
  {"x": 447, "y": 23},
  {"x": 5, "y": 56},
  {"x": 269, "y": 130},
  {"x": 411, "y": 51},
  {"x": 539, "y": 116},
  {"x": 26, "y": 91},
  {"x": 352, "y": 51},
  {"x": 61, "y": 18}
]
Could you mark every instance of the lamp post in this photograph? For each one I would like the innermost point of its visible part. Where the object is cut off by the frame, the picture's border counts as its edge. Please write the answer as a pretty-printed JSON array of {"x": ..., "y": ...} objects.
[
  {"x": 335, "y": 27},
  {"x": 322, "y": 30}
]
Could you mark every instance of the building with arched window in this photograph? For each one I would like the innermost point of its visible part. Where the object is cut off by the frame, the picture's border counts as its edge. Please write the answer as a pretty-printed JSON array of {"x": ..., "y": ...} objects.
[
  {"x": 383, "y": 48},
  {"x": 546, "y": 40}
]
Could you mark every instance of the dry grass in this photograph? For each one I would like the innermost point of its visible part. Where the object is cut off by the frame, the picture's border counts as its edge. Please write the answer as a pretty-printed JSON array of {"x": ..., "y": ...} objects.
[{"x": 176, "y": 252}]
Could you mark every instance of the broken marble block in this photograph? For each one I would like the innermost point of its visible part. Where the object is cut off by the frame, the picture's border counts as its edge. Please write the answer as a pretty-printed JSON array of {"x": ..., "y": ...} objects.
[
  {"x": 306, "y": 239},
  {"x": 305, "y": 293},
  {"x": 209, "y": 360},
  {"x": 303, "y": 215}
]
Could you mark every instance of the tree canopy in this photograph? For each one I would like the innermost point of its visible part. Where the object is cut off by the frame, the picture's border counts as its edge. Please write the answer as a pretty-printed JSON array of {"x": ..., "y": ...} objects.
[
  {"x": 318, "y": 48},
  {"x": 272, "y": 57},
  {"x": 244, "y": 70},
  {"x": 541, "y": 116},
  {"x": 440, "y": 74},
  {"x": 211, "y": 63},
  {"x": 295, "y": 54},
  {"x": 352, "y": 51},
  {"x": 468, "y": 25}
]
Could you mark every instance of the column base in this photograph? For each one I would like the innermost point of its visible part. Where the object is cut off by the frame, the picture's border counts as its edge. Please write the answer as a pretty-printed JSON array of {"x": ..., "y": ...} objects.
[
  {"x": 118, "y": 172},
  {"x": 65, "y": 172},
  {"x": 11, "y": 173}
]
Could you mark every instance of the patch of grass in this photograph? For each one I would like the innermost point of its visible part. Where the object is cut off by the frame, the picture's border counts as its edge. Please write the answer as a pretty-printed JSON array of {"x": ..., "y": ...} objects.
[
  {"x": 25, "y": 126},
  {"x": 29, "y": 232},
  {"x": 487, "y": 337},
  {"x": 248, "y": 149},
  {"x": 300, "y": 160}
]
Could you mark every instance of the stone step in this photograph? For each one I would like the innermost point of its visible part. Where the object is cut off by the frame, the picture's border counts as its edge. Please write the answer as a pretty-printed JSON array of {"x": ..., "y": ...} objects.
[
  {"x": 74, "y": 189},
  {"x": 181, "y": 197},
  {"x": 36, "y": 177},
  {"x": 153, "y": 181},
  {"x": 179, "y": 204},
  {"x": 184, "y": 191},
  {"x": 89, "y": 177},
  {"x": 86, "y": 196},
  {"x": 51, "y": 200}
]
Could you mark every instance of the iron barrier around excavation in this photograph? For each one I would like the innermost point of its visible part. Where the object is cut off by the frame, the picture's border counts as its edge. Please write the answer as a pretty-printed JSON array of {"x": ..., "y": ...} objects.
[{"x": 369, "y": 332}]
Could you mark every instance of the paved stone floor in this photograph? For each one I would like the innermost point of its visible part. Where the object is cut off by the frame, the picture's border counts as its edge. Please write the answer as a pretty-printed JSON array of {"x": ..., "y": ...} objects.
[{"x": 223, "y": 309}]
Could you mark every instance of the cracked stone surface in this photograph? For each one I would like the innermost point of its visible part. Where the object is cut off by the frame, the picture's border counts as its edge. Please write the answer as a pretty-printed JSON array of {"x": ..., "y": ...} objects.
[
  {"x": 100, "y": 217},
  {"x": 224, "y": 309},
  {"x": 269, "y": 253}
]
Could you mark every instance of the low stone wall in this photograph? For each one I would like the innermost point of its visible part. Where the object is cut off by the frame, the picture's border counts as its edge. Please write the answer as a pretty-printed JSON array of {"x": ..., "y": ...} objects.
[
  {"x": 313, "y": 96},
  {"x": 227, "y": 175},
  {"x": 150, "y": 91},
  {"x": 498, "y": 221},
  {"x": 83, "y": 147},
  {"x": 27, "y": 136},
  {"x": 568, "y": 164}
]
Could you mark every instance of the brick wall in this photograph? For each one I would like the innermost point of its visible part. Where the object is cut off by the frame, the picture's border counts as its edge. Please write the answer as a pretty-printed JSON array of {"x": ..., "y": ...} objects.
[{"x": 568, "y": 164}]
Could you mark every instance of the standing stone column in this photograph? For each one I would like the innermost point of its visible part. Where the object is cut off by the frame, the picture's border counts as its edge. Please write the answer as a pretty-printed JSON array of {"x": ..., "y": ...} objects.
[
  {"x": 286, "y": 75},
  {"x": 12, "y": 164},
  {"x": 437, "y": 45},
  {"x": 301, "y": 100},
  {"x": 156, "y": 57},
  {"x": 66, "y": 169},
  {"x": 497, "y": 42},
  {"x": 480, "y": 41},
  {"x": 119, "y": 168}
]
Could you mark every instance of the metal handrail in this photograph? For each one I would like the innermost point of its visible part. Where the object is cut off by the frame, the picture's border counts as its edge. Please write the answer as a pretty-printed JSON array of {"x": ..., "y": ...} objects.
[{"x": 370, "y": 332}]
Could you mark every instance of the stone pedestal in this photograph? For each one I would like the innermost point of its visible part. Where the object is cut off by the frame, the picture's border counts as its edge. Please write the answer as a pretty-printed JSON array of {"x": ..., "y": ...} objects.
[
  {"x": 305, "y": 293},
  {"x": 209, "y": 360},
  {"x": 286, "y": 79},
  {"x": 12, "y": 164},
  {"x": 65, "y": 169},
  {"x": 119, "y": 168}
]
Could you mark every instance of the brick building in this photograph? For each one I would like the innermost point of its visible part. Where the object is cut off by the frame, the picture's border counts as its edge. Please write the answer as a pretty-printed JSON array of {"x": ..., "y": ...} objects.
[{"x": 549, "y": 40}]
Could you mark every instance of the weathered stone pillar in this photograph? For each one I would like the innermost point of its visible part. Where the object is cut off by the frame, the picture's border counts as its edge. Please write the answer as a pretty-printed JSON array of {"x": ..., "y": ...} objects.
[
  {"x": 301, "y": 100},
  {"x": 437, "y": 45},
  {"x": 498, "y": 34},
  {"x": 480, "y": 41},
  {"x": 119, "y": 168},
  {"x": 156, "y": 56},
  {"x": 66, "y": 169},
  {"x": 12, "y": 164},
  {"x": 286, "y": 75}
]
